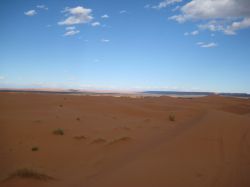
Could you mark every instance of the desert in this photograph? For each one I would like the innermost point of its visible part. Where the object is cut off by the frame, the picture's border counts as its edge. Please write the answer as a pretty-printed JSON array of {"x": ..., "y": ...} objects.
[
  {"x": 115, "y": 93},
  {"x": 92, "y": 141}
]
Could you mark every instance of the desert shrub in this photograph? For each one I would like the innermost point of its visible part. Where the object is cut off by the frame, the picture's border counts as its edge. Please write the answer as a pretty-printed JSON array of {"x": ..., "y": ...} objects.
[
  {"x": 80, "y": 137},
  {"x": 171, "y": 117},
  {"x": 119, "y": 140},
  {"x": 98, "y": 140},
  {"x": 30, "y": 173},
  {"x": 58, "y": 132},
  {"x": 35, "y": 148}
]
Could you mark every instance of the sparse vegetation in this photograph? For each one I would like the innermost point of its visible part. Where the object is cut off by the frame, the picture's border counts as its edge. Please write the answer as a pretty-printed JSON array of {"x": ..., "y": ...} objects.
[
  {"x": 78, "y": 119},
  {"x": 31, "y": 174},
  {"x": 61, "y": 105},
  {"x": 98, "y": 140},
  {"x": 80, "y": 137},
  {"x": 122, "y": 139},
  {"x": 58, "y": 132},
  {"x": 35, "y": 148},
  {"x": 171, "y": 117}
]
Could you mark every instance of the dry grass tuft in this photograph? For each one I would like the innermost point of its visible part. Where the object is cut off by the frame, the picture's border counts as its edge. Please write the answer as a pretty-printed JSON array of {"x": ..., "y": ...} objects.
[
  {"x": 30, "y": 174},
  {"x": 58, "y": 132},
  {"x": 171, "y": 117},
  {"x": 80, "y": 137},
  {"x": 35, "y": 148},
  {"x": 122, "y": 139},
  {"x": 98, "y": 140}
]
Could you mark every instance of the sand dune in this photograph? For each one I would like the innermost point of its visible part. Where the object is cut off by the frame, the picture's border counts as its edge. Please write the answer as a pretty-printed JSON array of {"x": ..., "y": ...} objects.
[{"x": 110, "y": 141}]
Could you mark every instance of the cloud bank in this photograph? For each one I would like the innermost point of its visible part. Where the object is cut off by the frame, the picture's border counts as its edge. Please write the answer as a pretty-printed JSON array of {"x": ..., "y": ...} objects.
[{"x": 227, "y": 16}]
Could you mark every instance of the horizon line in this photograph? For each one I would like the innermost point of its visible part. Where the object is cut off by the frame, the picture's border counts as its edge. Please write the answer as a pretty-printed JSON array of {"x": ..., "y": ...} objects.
[{"x": 112, "y": 90}]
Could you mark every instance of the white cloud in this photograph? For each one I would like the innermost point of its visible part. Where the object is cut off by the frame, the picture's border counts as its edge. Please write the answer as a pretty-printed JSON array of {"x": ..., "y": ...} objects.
[
  {"x": 105, "y": 40},
  {"x": 176, "y": 8},
  {"x": 105, "y": 16},
  {"x": 237, "y": 25},
  {"x": 95, "y": 24},
  {"x": 207, "y": 45},
  {"x": 71, "y": 31},
  {"x": 42, "y": 7},
  {"x": 212, "y": 26},
  {"x": 166, "y": 3},
  {"x": 200, "y": 43},
  {"x": 70, "y": 28},
  {"x": 30, "y": 13},
  {"x": 147, "y": 6},
  {"x": 2, "y": 77},
  {"x": 211, "y": 9},
  {"x": 193, "y": 33},
  {"x": 226, "y": 16},
  {"x": 77, "y": 15},
  {"x": 123, "y": 12},
  {"x": 225, "y": 27},
  {"x": 177, "y": 18}
]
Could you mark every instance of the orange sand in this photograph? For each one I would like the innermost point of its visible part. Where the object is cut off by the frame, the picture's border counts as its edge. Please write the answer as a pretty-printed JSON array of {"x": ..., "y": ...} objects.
[{"x": 125, "y": 142}]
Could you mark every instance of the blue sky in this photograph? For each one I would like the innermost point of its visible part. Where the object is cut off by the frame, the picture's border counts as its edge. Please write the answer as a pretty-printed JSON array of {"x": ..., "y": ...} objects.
[{"x": 189, "y": 45}]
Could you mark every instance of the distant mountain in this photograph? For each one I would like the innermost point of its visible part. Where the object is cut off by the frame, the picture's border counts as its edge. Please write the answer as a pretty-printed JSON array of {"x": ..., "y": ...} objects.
[
  {"x": 196, "y": 93},
  {"x": 235, "y": 94},
  {"x": 178, "y": 93}
]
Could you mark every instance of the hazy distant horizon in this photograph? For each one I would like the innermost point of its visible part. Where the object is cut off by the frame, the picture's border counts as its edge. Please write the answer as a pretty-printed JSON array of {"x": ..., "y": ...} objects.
[{"x": 112, "y": 90}]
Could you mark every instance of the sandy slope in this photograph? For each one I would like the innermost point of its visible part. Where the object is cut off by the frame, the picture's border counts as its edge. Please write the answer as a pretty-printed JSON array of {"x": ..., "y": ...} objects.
[{"x": 124, "y": 141}]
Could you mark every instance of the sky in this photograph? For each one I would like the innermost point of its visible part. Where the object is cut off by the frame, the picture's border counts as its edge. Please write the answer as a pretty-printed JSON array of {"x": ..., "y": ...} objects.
[{"x": 180, "y": 45}]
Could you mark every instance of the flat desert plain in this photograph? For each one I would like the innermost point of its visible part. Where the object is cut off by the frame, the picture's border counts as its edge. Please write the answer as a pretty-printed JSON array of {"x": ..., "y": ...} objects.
[{"x": 102, "y": 141}]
